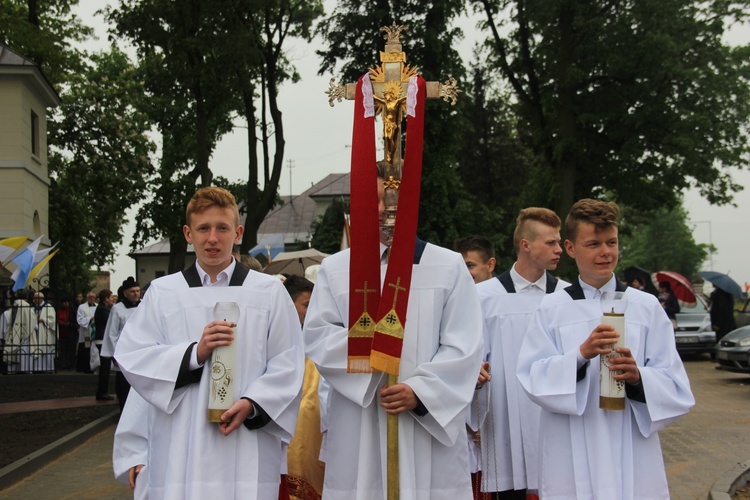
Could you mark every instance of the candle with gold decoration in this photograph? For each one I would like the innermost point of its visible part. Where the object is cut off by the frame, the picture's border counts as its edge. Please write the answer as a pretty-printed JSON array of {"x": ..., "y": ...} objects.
[
  {"x": 223, "y": 365},
  {"x": 611, "y": 391}
]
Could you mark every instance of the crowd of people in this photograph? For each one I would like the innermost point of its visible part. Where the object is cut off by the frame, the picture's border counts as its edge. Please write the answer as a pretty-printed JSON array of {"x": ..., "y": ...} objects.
[
  {"x": 497, "y": 393},
  {"x": 36, "y": 337}
]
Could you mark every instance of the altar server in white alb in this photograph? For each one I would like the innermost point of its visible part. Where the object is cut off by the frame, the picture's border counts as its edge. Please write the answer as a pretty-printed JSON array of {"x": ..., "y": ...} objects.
[
  {"x": 164, "y": 351},
  {"x": 439, "y": 361},
  {"x": 508, "y": 419},
  {"x": 130, "y": 297},
  {"x": 586, "y": 452}
]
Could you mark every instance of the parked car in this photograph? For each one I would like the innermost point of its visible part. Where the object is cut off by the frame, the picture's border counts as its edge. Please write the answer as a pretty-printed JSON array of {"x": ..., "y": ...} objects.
[
  {"x": 733, "y": 350},
  {"x": 694, "y": 334},
  {"x": 742, "y": 314}
]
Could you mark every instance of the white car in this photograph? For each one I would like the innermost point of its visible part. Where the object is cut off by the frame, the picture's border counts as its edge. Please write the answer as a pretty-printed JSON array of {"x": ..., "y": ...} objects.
[{"x": 694, "y": 333}]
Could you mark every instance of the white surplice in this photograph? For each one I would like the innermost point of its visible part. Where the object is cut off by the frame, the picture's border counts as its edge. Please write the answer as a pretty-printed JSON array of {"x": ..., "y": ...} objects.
[
  {"x": 44, "y": 340},
  {"x": 21, "y": 327},
  {"x": 507, "y": 418},
  {"x": 440, "y": 360},
  {"x": 131, "y": 444},
  {"x": 84, "y": 316},
  {"x": 118, "y": 316},
  {"x": 586, "y": 452},
  {"x": 187, "y": 456}
]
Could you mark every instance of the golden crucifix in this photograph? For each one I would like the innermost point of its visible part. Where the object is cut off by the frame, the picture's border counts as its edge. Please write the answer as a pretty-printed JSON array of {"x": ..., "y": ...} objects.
[
  {"x": 390, "y": 81},
  {"x": 390, "y": 84}
]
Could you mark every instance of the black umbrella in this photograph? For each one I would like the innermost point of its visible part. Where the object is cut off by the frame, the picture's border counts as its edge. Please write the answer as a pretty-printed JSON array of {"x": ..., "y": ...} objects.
[
  {"x": 643, "y": 276},
  {"x": 723, "y": 282}
]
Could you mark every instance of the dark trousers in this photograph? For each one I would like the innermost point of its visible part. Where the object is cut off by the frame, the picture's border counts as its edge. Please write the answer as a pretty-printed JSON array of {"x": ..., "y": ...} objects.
[
  {"x": 122, "y": 388},
  {"x": 102, "y": 387},
  {"x": 83, "y": 362}
]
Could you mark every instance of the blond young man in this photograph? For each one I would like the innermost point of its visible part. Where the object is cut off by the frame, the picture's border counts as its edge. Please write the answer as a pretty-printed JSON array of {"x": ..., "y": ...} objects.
[
  {"x": 163, "y": 352},
  {"x": 586, "y": 452},
  {"x": 508, "y": 420}
]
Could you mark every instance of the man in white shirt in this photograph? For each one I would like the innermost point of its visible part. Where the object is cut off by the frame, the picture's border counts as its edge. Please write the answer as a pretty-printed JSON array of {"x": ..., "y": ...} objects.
[
  {"x": 163, "y": 351},
  {"x": 85, "y": 319},
  {"x": 508, "y": 420},
  {"x": 586, "y": 452},
  {"x": 130, "y": 297},
  {"x": 43, "y": 346}
]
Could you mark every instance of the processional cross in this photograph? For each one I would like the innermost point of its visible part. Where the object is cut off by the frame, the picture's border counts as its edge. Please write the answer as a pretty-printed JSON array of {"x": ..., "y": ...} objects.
[{"x": 390, "y": 83}]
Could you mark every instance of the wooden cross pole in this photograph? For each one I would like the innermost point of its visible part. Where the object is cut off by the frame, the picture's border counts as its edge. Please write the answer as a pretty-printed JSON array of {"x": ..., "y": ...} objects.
[{"x": 390, "y": 82}]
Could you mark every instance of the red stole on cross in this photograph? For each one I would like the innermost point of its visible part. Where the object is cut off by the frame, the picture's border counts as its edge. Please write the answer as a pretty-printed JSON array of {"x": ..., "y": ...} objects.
[
  {"x": 364, "y": 248},
  {"x": 377, "y": 345}
]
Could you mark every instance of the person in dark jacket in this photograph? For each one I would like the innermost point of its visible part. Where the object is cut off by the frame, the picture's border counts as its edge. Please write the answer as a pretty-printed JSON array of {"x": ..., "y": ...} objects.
[
  {"x": 669, "y": 302},
  {"x": 101, "y": 316},
  {"x": 722, "y": 313}
]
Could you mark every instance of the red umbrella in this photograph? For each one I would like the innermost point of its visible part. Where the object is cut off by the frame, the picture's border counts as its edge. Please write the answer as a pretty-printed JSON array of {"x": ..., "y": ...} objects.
[{"x": 681, "y": 286}]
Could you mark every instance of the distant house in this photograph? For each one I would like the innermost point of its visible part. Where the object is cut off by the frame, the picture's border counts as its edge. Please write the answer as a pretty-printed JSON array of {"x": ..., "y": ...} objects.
[
  {"x": 290, "y": 223},
  {"x": 25, "y": 97}
]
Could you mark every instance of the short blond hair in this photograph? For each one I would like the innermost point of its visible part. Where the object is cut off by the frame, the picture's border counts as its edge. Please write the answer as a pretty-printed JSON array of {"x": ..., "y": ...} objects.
[
  {"x": 601, "y": 214},
  {"x": 525, "y": 230},
  {"x": 212, "y": 196}
]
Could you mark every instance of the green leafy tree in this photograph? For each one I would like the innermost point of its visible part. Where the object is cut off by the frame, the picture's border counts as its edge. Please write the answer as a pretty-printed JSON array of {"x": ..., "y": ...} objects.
[
  {"x": 99, "y": 153},
  {"x": 660, "y": 241},
  {"x": 100, "y": 164},
  {"x": 266, "y": 28},
  {"x": 42, "y": 31},
  {"x": 353, "y": 41},
  {"x": 639, "y": 99},
  {"x": 204, "y": 63},
  {"x": 186, "y": 62},
  {"x": 329, "y": 228}
]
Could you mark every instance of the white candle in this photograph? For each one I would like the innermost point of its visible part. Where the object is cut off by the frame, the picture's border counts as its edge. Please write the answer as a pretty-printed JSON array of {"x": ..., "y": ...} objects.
[
  {"x": 611, "y": 391},
  {"x": 223, "y": 365}
]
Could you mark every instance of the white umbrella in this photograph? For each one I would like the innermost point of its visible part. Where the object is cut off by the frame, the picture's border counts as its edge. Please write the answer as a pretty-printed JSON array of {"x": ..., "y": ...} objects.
[{"x": 294, "y": 263}]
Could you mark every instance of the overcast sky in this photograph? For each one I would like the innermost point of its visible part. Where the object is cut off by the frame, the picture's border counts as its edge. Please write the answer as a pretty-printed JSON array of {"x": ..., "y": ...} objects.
[{"x": 317, "y": 139}]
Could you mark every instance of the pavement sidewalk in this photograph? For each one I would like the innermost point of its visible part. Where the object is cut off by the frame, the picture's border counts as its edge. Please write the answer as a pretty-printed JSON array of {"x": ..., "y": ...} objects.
[
  {"x": 709, "y": 443},
  {"x": 85, "y": 473}
]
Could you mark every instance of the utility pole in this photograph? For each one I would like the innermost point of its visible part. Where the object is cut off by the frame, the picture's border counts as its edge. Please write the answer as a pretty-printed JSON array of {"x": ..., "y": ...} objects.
[{"x": 290, "y": 164}]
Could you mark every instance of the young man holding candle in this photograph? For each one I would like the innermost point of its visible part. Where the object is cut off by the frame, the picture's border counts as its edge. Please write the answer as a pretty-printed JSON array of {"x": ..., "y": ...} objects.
[
  {"x": 584, "y": 451},
  {"x": 166, "y": 347}
]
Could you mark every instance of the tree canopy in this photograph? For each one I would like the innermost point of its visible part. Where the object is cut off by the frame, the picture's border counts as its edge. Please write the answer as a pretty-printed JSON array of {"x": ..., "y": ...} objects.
[
  {"x": 632, "y": 101},
  {"x": 640, "y": 99},
  {"x": 100, "y": 164},
  {"x": 99, "y": 159},
  {"x": 204, "y": 63},
  {"x": 660, "y": 241}
]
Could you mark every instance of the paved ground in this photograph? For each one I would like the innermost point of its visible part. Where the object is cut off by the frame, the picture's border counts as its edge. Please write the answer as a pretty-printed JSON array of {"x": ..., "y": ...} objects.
[
  {"x": 698, "y": 449},
  {"x": 714, "y": 437},
  {"x": 83, "y": 474}
]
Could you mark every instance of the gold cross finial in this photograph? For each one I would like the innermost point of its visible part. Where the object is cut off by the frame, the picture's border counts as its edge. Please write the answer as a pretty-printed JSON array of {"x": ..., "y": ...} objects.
[{"x": 393, "y": 32}]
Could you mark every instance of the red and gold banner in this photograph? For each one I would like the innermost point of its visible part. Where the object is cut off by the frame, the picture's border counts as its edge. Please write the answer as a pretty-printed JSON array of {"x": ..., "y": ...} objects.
[
  {"x": 364, "y": 263},
  {"x": 377, "y": 319}
]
